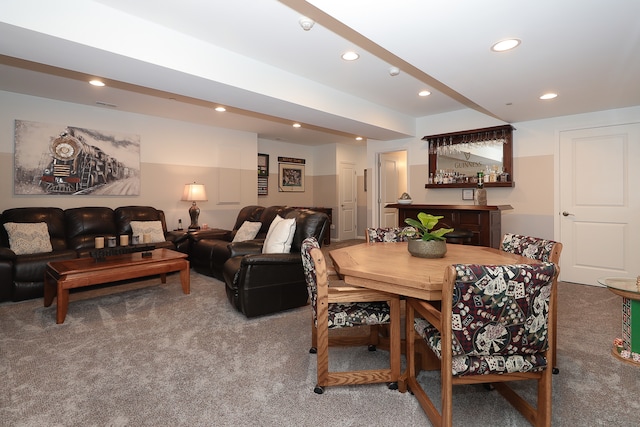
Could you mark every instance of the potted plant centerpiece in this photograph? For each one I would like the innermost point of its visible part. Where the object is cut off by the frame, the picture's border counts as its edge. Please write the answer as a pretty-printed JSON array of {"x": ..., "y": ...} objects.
[{"x": 423, "y": 242}]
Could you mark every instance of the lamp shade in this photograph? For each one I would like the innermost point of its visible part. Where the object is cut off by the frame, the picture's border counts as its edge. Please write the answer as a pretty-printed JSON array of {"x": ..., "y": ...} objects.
[{"x": 194, "y": 193}]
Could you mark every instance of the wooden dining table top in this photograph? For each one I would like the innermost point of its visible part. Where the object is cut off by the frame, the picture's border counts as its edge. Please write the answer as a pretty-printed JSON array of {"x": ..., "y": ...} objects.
[{"x": 389, "y": 267}]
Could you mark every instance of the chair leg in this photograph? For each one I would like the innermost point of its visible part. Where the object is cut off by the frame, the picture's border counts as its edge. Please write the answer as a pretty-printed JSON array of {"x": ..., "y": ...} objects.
[
  {"x": 554, "y": 340},
  {"x": 314, "y": 337},
  {"x": 374, "y": 336},
  {"x": 411, "y": 371}
]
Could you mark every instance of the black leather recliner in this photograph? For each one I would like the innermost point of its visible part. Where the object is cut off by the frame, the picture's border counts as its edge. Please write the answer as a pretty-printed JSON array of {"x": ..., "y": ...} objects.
[
  {"x": 257, "y": 283},
  {"x": 208, "y": 248}
]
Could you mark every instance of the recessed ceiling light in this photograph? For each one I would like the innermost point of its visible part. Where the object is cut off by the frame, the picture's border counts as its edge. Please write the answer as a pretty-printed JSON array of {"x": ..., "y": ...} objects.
[
  {"x": 297, "y": 125},
  {"x": 95, "y": 82},
  {"x": 359, "y": 138},
  {"x": 549, "y": 95},
  {"x": 221, "y": 109},
  {"x": 350, "y": 56},
  {"x": 424, "y": 93},
  {"x": 306, "y": 23},
  {"x": 503, "y": 45}
]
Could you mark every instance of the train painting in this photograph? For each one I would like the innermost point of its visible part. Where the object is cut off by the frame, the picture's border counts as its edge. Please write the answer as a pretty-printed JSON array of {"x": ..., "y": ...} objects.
[
  {"x": 76, "y": 166},
  {"x": 77, "y": 161}
]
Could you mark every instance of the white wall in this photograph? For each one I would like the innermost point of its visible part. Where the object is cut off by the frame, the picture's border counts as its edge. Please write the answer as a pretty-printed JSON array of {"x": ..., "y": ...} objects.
[
  {"x": 321, "y": 181},
  {"x": 172, "y": 154},
  {"x": 534, "y": 197}
]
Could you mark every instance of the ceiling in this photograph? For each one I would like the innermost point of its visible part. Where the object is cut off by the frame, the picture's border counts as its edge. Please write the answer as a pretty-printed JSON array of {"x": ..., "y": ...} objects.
[{"x": 178, "y": 60}]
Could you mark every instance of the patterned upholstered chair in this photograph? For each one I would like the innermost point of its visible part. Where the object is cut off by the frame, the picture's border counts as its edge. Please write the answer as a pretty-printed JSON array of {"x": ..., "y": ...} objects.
[
  {"x": 380, "y": 334},
  {"x": 346, "y": 306},
  {"x": 494, "y": 326},
  {"x": 542, "y": 250},
  {"x": 385, "y": 234}
]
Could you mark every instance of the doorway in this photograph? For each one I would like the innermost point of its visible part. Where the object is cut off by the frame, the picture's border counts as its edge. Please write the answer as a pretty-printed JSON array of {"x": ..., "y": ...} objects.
[
  {"x": 599, "y": 215},
  {"x": 393, "y": 176},
  {"x": 348, "y": 201}
]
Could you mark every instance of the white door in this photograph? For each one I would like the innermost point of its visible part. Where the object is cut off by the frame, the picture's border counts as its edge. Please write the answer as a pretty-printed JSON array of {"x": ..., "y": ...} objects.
[
  {"x": 393, "y": 182},
  {"x": 600, "y": 203},
  {"x": 348, "y": 201}
]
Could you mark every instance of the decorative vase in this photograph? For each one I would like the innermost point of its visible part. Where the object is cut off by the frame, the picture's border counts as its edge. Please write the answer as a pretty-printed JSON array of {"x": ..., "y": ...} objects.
[{"x": 427, "y": 248}]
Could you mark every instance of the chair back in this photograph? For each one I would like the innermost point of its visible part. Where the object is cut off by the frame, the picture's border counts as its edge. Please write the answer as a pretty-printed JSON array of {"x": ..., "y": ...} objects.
[
  {"x": 310, "y": 272},
  {"x": 532, "y": 247},
  {"x": 499, "y": 317},
  {"x": 385, "y": 234}
]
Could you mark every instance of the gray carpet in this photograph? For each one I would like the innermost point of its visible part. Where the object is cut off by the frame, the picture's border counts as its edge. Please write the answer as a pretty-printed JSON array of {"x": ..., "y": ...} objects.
[{"x": 148, "y": 355}]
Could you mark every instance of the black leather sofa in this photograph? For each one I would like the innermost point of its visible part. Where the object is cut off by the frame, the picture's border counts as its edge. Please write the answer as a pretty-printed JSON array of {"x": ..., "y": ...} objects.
[
  {"x": 72, "y": 233},
  {"x": 256, "y": 283}
]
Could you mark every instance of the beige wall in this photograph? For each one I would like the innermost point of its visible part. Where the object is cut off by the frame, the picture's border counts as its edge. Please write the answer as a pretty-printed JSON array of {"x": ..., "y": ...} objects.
[
  {"x": 534, "y": 198},
  {"x": 322, "y": 164},
  {"x": 172, "y": 154}
]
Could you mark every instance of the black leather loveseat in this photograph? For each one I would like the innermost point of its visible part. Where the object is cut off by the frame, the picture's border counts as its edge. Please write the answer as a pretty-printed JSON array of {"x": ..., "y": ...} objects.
[
  {"x": 257, "y": 283},
  {"x": 72, "y": 234}
]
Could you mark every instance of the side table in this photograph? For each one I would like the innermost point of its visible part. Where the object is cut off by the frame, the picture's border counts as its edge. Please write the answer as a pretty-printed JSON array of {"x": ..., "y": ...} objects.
[{"x": 626, "y": 348}]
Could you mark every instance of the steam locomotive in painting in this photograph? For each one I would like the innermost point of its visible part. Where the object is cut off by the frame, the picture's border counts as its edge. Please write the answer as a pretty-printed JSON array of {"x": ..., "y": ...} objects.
[{"x": 77, "y": 166}]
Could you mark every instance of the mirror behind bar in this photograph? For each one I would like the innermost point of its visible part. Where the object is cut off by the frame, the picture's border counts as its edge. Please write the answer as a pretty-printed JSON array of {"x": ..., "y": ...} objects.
[{"x": 456, "y": 158}]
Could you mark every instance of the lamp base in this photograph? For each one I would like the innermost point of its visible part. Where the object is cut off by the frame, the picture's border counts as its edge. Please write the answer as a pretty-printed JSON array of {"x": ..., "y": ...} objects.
[{"x": 194, "y": 213}]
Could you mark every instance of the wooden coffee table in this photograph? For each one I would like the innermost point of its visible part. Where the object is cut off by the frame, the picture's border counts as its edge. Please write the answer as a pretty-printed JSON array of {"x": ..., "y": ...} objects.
[{"x": 61, "y": 276}]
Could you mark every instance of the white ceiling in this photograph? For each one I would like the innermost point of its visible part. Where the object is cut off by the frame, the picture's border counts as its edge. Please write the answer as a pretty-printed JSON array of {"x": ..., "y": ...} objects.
[{"x": 179, "y": 59}]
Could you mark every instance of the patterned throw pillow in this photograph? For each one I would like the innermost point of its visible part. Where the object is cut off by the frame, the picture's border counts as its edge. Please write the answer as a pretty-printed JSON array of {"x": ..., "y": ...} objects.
[
  {"x": 152, "y": 228},
  {"x": 248, "y": 230},
  {"x": 28, "y": 238}
]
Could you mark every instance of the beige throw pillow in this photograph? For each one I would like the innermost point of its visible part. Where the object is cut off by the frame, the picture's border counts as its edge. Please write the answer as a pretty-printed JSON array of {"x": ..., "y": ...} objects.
[
  {"x": 279, "y": 236},
  {"x": 28, "y": 238},
  {"x": 153, "y": 228},
  {"x": 247, "y": 231}
]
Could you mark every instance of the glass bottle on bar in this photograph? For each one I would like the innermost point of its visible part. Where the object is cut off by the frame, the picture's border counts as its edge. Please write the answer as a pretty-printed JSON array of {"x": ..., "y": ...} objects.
[{"x": 481, "y": 192}]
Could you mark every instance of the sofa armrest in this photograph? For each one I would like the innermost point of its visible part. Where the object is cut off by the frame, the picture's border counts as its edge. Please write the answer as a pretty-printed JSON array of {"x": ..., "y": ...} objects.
[
  {"x": 272, "y": 259},
  {"x": 6, "y": 278},
  {"x": 211, "y": 233},
  {"x": 249, "y": 247},
  {"x": 7, "y": 254},
  {"x": 176, "y": 237}
]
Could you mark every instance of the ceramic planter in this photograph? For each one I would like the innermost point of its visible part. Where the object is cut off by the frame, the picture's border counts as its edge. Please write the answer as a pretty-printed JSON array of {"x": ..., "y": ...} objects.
[{"x": 428, "y": 248}]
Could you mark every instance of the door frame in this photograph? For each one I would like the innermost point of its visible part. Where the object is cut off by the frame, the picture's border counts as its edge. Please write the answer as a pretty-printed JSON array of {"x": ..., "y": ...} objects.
[{"x": 377, "y": 197}]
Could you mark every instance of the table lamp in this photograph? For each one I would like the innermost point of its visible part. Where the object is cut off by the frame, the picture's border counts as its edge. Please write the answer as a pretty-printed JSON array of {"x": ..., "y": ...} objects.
[{"x": 194, "y": 193}]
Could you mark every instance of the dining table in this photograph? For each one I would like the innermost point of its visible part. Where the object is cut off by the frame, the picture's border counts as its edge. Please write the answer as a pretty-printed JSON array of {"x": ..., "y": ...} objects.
[{"x": 389, "y": 267}]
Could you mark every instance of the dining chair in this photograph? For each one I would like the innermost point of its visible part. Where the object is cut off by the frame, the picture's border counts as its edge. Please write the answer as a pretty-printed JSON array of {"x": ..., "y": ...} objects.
[
  {"x": 494, "y": 326},
  {"x": 541, "y": 250},
  {"x": 385, "y": 234},
  {"x": 342, "y": 307}
]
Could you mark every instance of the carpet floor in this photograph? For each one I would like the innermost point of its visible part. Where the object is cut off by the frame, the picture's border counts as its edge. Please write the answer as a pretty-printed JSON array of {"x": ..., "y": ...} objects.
[{"x": 145, "y": 354}]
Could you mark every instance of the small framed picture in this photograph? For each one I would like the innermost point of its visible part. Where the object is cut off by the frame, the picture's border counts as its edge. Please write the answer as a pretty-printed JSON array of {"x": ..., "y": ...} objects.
[{"x": 467, "y": 194}]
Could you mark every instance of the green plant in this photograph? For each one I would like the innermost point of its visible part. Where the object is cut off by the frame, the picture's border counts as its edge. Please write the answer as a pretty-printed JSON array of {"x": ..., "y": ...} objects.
[{"x": 421, "y": 228}]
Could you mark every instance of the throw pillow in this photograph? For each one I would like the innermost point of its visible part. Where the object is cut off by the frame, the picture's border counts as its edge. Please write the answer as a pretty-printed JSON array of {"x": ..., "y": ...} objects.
[
  {"x": 28, "y": 238},
  {"x": 247, "y": 231},
  {"x": 152, "y": 228},
  {"x": 279, "y": 236}
]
